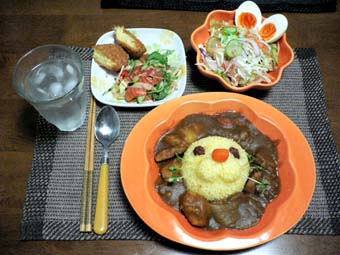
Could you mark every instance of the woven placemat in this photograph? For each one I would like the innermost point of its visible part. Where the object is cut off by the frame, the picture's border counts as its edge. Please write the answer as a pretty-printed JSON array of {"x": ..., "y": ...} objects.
[
  {"x": 53, "y": 196},
  {"x": 209, "y": 5}
]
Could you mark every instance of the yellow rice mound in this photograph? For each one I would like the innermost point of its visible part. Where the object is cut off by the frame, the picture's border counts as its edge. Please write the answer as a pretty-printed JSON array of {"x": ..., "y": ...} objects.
[{"x": 214, "y": 180}]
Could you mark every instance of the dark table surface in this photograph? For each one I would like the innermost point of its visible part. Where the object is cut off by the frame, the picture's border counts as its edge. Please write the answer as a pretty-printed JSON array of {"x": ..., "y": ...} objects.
[{"x": 27, "y": 24}]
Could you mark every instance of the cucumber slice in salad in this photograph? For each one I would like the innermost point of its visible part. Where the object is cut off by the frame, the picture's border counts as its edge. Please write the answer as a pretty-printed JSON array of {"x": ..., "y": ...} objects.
[
  {"x": 212, "y": 43},
  {"x": 233, "y": 49}
]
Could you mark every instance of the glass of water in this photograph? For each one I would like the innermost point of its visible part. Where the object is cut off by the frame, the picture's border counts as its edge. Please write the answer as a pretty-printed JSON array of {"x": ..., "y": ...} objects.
[{"x": 51, "y": 78}]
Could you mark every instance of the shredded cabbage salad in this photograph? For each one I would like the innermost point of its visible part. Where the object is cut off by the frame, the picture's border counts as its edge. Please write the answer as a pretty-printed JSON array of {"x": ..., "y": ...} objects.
[
  {"x": 238, "y": 55},
  {"x": 147, "y": 78}
]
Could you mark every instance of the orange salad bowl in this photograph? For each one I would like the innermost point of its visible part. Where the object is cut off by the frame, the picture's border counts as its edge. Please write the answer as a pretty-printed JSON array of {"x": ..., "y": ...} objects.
[{"x": 202, "y": 34}]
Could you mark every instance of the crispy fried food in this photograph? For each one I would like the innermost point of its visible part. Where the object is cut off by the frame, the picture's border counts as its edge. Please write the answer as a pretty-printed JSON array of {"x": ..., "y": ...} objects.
[
  {"x": 110, "y": 56},
  {"x": 129, "y": 42}
]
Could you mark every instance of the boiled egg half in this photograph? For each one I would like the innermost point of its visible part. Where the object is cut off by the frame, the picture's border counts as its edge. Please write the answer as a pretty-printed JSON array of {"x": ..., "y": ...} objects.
[
  {"x": 273, "y": 28},
  {"x": 248, "y": 15}
]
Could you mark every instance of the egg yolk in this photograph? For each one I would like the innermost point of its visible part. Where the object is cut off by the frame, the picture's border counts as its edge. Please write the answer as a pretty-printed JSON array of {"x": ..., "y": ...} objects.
[
  {"x": 247, "y": 20},
  {"x": 268, "y": 31}
]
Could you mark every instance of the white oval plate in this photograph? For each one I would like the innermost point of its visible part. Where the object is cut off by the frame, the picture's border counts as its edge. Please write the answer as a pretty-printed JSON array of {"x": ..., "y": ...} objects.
[{"x": 153, "y": 39}]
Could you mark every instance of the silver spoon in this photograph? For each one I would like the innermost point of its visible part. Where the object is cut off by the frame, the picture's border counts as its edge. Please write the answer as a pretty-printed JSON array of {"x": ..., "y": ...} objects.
[{"x": 106, "y": 130}]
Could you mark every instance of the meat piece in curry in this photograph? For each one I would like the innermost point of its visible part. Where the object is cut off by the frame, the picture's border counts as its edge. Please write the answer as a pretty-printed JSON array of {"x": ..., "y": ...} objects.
[{"x": 196, "y": 208}]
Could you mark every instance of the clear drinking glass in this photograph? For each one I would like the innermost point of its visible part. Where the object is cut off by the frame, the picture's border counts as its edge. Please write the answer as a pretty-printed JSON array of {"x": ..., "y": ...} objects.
[{"x": 51, "y": 78}]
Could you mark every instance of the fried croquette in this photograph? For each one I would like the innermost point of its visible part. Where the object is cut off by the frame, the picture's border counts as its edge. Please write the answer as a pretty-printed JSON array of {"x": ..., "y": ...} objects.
[
  {"x": 129, "y": 42},
  {"x": 110, "y": 56}
]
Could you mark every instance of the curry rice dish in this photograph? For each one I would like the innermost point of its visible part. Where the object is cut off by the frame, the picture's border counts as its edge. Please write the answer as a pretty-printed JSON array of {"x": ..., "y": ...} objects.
[{"x": 218, "y": 170}]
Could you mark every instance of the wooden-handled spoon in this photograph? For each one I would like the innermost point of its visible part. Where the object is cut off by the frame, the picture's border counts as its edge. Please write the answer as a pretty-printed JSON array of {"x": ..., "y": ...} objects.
[{"x": 106, "y": 130}]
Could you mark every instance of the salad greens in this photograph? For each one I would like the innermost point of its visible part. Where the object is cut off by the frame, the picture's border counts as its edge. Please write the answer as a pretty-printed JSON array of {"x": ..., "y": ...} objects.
[
  {"x": 238, "y": 55},
  {"x": 149, "y": 78}
]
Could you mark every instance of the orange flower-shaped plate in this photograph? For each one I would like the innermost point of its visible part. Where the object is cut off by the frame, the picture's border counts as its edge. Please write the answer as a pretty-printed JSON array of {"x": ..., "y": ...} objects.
[
  {"x": 139, "y": 172},
  {"x": 201, "y": 35}
]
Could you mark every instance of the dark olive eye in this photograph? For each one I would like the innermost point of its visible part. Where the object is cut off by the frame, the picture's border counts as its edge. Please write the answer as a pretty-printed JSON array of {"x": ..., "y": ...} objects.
[
  {"x": 199, "y": 150},
  {"x": 235, "y": 152}
]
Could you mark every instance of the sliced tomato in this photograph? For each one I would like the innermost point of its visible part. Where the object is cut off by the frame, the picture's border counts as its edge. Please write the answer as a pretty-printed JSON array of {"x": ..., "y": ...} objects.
[
  {"x": 134, "y": 92},
  {"x": 124, "y": 74},
  {"x": 135, "y": 72},
  {"x": 152, "y": 76},
  {"x": 145, "y": 79},
  {"x": 153, "y": 80},
  {"x": 154, "y": 72}
]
